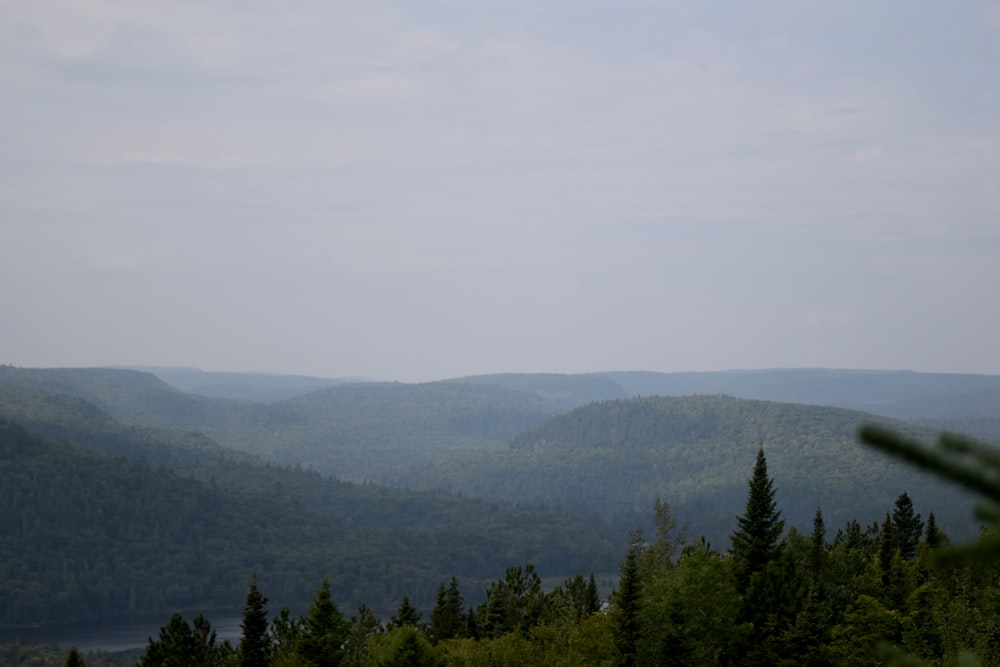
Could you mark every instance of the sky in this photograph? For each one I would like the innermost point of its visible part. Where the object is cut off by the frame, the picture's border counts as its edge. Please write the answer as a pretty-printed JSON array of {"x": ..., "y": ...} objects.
[{"x": 415, "y": 190}]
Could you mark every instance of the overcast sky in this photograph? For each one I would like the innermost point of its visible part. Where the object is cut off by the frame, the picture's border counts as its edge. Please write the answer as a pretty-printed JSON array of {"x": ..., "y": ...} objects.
[{"x": 419, "y": 190}]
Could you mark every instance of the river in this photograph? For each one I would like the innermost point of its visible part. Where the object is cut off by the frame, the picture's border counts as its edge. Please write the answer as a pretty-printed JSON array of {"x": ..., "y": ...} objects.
[{"x": 112, "y": 637}]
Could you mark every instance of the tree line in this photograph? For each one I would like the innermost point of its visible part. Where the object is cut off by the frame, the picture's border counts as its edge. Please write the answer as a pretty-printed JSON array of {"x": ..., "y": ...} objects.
[{"x": 773, "y": 597}]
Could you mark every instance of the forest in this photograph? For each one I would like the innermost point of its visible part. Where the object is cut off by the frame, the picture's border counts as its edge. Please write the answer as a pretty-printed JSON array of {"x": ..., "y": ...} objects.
[
  {"x": 125, "y": 496},
  {"x": 865, "y": 595}
]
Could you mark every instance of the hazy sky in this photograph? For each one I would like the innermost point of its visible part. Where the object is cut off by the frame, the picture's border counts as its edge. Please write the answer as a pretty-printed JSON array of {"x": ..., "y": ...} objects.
[{"x": 417, "y": 190}]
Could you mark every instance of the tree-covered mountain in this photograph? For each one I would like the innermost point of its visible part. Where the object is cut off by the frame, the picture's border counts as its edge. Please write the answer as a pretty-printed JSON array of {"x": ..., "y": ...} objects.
[
  {"x": 866, "y": 390},
  {"x": 358, "y": 432},
  {"x": 365, "y": 432},
  {"x": 132, "y": 397},
  {"x": 91, "y": 535},
  {"x": 563, "y": 392},
  {"x": 976, "y": 414},
  {"x": 255, "y": 387},
  {"x": 621, "y": 456}
]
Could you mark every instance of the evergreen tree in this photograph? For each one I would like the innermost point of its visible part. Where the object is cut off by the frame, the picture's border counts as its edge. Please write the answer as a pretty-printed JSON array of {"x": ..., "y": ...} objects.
[
  {"x": 932, "y": 534},
  {"x": 447, "y": 619},
  {"x": 365, "y": 627},
  {"x": 74, "y": 659},
  {"x": 408, "y": 648},
  {"x": 627, "y": 604},
  {"x": 886, "y": 548},
  {"x": 180, "y": 645},
  {"x": 255, "y": 646},
  {"x": 406, "y": 615},
  {"x": 756, "y": 541},
  {"x": 906, "y": 526},
  {"x": 817, "y": 547},
  {"x": 323, "y": 631},
  {"x": 514, "y": 603},
  {"x": 286, "y": 633},
  {"x": 174, "y": 646}
]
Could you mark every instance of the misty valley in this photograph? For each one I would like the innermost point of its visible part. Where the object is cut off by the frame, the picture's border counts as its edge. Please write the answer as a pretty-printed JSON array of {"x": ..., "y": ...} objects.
[{"x": 620, "y": 518}]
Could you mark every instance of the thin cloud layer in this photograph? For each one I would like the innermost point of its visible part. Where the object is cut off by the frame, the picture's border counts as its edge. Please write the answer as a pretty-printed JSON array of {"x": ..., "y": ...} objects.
[{"x": 420, "y": 190}]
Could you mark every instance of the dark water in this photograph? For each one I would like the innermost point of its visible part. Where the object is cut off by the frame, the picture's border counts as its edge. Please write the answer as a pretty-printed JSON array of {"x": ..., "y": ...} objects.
[{"x": 113, "y": 637}]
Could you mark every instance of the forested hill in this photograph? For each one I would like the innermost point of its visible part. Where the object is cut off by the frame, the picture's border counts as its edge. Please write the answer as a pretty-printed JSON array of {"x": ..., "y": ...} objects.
[
  {"x": 255, "y": 387},
  {"x": 86, "y": 535},
  {"x": 364, "y": 432},
  {"x": 693, "y": 452},
  {"x": 129, "y": 396},
  {"x": 868, "y": 390},
  {"x": 563, "y": 392},
  {"x": 359, "y": 432}
]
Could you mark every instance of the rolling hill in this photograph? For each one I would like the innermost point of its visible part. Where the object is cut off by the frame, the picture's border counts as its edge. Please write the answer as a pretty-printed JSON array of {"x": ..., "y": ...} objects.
[{"x": 696, "y": 454}]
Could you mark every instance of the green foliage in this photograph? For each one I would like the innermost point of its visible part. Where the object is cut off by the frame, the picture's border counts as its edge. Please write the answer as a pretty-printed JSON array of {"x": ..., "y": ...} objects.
[
  {"x": 407, "y": 615},
  {"x": 906, "y": 527},
  {"x": 323, "y": 631},
  {"x": 405, "y": 647},
  {"x": 365, "y": 630},
  {"x": 692, "y": 451},
  {"x": 448, "y": 616},
  {"x": 111, "y": 536},
  {"x": 182, "y": 645},
  {"x": 756, "y": 540},
  {"x": 255, "y": 647},
  {"x": 513, "y": 604},
  {"x": 627, "y": 602},
  {"x": 74, "y": 659}
]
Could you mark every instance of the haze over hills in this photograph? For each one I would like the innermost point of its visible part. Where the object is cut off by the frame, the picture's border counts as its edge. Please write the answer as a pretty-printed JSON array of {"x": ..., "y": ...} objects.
[
  {"x": 125, "y": 519},
  {"x": 621, "y": 456},
  {"x": 583, "y": 445}
]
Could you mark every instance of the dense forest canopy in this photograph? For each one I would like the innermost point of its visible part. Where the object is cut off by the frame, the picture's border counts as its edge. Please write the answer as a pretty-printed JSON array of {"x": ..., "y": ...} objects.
[{"x": 129, "y": 495}]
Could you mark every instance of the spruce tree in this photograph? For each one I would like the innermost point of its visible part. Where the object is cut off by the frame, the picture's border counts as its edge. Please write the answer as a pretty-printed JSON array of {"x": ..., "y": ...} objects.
[
  {"x": 74, "y": 659},
  {"x": 907, "y": 527},
  {"x": 933, "y": 535},
  {"x": 817, "y": 547},
  {"x": 256, "y": 644},
  {"x": 406, "y": 615},
  {"x": 323, "y": 631},
  {"x": 365, "y": 628},
  {"x": 447, "y": 619},
  {"x": 757, "y": 540},
  {"x": 627, "y": 600}
]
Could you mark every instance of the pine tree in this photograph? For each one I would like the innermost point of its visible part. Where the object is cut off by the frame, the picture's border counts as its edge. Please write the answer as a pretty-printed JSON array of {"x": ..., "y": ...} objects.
[
  {"x": 179, "y": 645},
  {"x": 286, "y": 632},
  {"x": 906, "y": 526},
  {"x": 406, "y": 615},
  {"x": 255, "y": 646},
  {"x": 817, "y": 547},
  {"x": 627, "y": 600},
  {"x": 447, "y": 619},
  {"x": 323, "y": 631},
  {"x": 409, "y": 649},
  {"x": 74, "y": 659},
  {"x": 756, "y": 541},
  {"x": 365, "y": 627},
  {"x": 932, "y": 534}
]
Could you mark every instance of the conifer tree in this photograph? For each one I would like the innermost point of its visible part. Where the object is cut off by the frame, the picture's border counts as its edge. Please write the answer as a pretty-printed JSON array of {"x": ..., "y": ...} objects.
[
  {"x": 74, "y": 659},
  {"x": 627, "y": 600},
  {"x": 757, "y": 540},
  {"x": 932, "y": 534},
  {"x": 255, "y": 644},
  {"x": 323, "y": 631},
  {"x": 365, "y": 627},
  {"x": 817, "y": 547},
  {"x": 406, "y": 615},
  {"x": 409, "y": 649},
  {"x": 447, "y": 619},
  {"x": 906, "y": 527}
]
